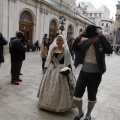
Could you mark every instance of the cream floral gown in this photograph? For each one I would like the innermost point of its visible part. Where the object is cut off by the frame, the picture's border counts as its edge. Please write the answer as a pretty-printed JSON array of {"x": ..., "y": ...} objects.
[{"x": 54, "y": 92}]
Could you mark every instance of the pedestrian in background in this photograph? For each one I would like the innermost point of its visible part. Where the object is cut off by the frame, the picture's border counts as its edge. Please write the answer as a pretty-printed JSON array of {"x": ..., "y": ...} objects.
[
  {"x": 17, "y": 56},
  {"x": 23, "y": 42},
  {"x": 12, "y": 40},
  {"x": 2, "y": 43},
  {"x": 92, "y": 55},
  {"x": 37, "y": 46},
  {"x": 44, "y": 52},
  {"x": 45, "y": 36}
]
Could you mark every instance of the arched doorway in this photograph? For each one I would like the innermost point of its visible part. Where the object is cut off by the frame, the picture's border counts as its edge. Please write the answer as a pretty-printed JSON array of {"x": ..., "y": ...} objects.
[
  {"x": 53, "y": 29},
  {"x": 26, "y": 25},
  {"x": 70, "y": 31}
]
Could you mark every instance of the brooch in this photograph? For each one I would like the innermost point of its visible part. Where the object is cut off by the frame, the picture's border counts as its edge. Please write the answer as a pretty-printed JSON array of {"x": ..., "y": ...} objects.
[{"x": 100, "y": 49}]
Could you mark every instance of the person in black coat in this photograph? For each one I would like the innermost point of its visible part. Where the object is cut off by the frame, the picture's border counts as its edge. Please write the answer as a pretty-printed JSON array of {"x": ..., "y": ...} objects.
[
  {"x": 12, "y": 40},
  {"x": 37, "y": 46},
  {"x": 17, "y": 56},
  {"x": 90, "y": 53},
  {"x": 2, "y": 43},
  {"x": 23, "y": 42}
]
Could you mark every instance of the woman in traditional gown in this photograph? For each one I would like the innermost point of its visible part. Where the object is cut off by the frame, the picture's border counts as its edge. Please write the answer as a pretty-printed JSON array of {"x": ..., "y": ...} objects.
[{"x": 55, "y": 93}]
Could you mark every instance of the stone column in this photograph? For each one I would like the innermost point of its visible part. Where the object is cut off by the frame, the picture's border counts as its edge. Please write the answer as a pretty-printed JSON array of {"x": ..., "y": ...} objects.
[
  {"x": 1, "y": 14},
  {"x": 76, "y": 29},
  {"x": 37, "y": 28},
  {"x": 42, "y": 24},
  {"x": 46, "y": 21},
  {"x": 11, "y": 18},
  {"x": 16, "y": 16}
]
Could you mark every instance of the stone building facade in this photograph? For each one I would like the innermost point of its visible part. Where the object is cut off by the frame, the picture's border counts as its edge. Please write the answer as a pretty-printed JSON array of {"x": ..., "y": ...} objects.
[
  {"x": 37, "y": 17},
  {"x": 117, "y": 20},
  {"x": 101, "y": 17}
]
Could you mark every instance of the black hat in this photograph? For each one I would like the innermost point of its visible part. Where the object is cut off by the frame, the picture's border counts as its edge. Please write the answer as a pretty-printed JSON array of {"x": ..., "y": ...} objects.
[{"x": 91, "y": 31}]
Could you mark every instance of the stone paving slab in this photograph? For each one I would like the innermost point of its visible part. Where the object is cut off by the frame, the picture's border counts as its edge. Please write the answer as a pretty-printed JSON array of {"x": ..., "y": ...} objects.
[{"x": 21, "y": 102}]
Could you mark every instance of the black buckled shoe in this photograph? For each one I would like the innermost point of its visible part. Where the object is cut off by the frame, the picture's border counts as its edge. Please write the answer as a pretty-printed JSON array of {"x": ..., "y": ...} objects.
[
  {"x": 78, "y": 118},
  {"x": 87, "y": 118}
]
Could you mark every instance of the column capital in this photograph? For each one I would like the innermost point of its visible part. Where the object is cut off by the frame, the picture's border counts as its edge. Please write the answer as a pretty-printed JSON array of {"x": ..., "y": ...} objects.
[{"x": 42, "y": 10}]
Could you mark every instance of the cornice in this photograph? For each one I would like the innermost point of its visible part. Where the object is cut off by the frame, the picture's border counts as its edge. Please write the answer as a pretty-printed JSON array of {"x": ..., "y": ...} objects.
[{"x": 13, "y": 1}]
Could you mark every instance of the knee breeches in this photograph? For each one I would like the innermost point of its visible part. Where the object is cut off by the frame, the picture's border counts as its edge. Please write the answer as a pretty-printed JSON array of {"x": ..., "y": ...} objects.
[{"x": 90, "y": 81}]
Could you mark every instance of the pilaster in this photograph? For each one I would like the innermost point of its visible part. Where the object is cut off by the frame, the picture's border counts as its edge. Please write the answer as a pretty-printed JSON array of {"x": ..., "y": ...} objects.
[
  {"x": 1, "y": 14},
  {"x": 37, "y": 37},
  {"x": 42, "y": 22},
  {"x": 11, "y": 17}
]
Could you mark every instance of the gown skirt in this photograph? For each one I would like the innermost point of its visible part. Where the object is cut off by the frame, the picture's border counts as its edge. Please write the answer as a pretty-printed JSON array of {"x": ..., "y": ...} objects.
[{"x": 54, "y": 93}]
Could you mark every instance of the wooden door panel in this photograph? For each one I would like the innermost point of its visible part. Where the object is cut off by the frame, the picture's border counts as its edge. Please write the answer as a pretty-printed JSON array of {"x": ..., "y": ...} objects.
[{"x": 27, "y": 28}]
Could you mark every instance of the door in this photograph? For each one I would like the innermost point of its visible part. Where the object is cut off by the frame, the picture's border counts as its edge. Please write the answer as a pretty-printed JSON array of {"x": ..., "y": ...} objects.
[
  {"x": 52, "y": 32},
  {"x": 27, "y": 29}
]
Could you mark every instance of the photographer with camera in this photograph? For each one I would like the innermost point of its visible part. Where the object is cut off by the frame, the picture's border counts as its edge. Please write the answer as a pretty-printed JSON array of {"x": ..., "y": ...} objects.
[{"x": 90, "y": 53}]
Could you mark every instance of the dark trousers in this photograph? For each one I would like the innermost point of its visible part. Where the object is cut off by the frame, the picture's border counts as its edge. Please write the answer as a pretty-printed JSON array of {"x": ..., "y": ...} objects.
[
  {"x": 21, "y": 66},
  {"x": 43, "y": 63},
  {"x": 89, "y": 80},
  {"x": 37, "y": 48},
  {"x": 72, "y": 54},
  {"x": 15, "y": 70}
]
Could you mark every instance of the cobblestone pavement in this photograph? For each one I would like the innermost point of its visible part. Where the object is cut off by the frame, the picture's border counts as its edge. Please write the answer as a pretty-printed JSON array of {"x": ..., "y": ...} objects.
[{"x": 21, "y": 102}]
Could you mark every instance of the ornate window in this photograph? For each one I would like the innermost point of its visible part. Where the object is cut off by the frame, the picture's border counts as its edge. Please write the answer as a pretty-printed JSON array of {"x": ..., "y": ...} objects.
[
  {"x": 26, "y": 16},
  {"x": 70, "y": 28},
  {"x": 106, "y": 24},
  {"x": 53, "y": 24}
]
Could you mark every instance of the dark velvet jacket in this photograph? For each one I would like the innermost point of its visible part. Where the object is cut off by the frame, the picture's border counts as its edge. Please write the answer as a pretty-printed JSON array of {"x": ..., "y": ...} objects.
[
  {"x": 17, "y": 52},
  {"x": 102, "y": 46}
]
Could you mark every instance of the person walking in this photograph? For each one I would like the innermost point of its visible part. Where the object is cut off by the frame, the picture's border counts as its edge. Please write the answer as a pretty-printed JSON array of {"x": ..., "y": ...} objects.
[
  {"x": 92, "y": 55},
  {"x": 54, "y": 92},
  {"x": 17, "y": 56}
]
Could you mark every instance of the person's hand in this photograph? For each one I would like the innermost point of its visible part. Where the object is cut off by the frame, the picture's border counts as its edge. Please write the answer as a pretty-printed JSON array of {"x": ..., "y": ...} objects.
[
  {"x": 53, "y": 51},
  {"x": 81, "y": 34},
  {"x": 25, "y": 46}
]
